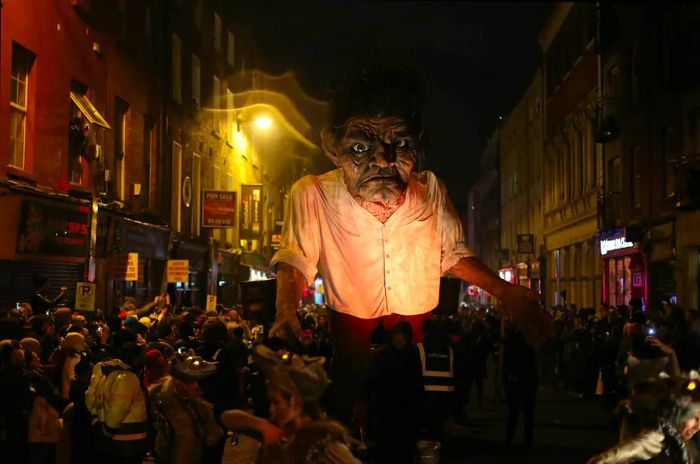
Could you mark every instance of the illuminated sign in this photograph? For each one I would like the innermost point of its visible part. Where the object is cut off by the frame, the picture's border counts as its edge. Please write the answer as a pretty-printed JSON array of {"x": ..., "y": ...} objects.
[
  {"x": 507, "y": 275},
  {"x": 250, "y": 225},
  {"x": 612, "y": 244},
  {"x": 52, "y": 228}
]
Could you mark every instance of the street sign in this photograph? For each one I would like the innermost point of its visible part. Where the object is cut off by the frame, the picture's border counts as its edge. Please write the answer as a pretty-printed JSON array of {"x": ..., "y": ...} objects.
[
  {"x": 211, "y": 302},
  {"x": 250, "y": 225},
  {"x": 219, "y": 208},
  {"x": 178, "y": 270},
  {"x": 85, "y": 296}
]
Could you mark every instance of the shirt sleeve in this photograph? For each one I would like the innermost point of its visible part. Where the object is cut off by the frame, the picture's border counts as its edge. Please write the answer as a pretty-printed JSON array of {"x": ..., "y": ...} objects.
[
  {"x": 300, "y": 244},
  {"x": 454, "y": 246}
]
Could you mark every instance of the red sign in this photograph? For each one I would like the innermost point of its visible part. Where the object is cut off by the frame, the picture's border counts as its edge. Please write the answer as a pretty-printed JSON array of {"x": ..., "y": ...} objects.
[{"x": 219, "y": 208}]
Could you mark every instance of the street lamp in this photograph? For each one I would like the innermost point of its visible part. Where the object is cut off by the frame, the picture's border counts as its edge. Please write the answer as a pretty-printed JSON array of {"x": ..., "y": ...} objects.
[{"x": 263, "y": 122}]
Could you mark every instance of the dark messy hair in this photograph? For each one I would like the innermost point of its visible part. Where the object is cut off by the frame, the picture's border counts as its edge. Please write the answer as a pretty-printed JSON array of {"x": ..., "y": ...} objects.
[{"x": 377, "y": 86}]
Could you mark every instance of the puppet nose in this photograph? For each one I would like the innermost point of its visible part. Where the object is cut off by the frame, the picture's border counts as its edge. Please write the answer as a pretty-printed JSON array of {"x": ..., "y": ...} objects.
[{"x": 384, "y": 156}]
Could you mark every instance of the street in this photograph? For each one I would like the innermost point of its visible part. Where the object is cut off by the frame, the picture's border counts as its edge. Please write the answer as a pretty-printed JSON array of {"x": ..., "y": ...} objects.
[{"x": 567, "y": 429}]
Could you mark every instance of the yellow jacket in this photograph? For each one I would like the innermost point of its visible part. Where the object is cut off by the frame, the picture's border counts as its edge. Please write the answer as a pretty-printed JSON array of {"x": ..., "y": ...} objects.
[{"x": 116, "y": 399}]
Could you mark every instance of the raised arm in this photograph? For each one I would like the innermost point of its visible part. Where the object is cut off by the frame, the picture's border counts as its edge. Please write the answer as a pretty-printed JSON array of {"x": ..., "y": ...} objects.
[
  {"x": 290, "y": 289},
  {"x": 522, "y": 304}
]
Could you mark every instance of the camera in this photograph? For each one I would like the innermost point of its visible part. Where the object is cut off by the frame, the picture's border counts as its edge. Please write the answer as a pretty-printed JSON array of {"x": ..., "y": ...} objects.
[{"x": 182, "y": 350}]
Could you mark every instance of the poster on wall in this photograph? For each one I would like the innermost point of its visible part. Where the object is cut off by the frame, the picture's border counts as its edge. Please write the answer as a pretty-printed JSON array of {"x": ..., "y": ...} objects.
[
  {"x": 218, "y": 209},
  {"x": 250, "y": 226},
  {"x": 178, "y": 270}
]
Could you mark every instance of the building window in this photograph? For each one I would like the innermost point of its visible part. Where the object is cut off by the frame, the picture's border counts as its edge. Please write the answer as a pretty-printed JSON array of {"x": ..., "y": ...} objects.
[
  {"x": 217, "y": 33},
  {"x": 216, "y": 104},
  {"x": 635, "y": 160},
  {"x": 78, "y": 132},
  {"x": 196, "y": 192},
  {"x": 568, "y": 170},
  {"x": 230, "y": 49},
  {"x": 22, "y": 61},
  {"x": 149, "y": 161},
  {"x": 176, "y": 179},
  {"x": 176, "y": 70},
  {"x": 197, "y": 13},
  {"x": 694, "y": 131},
  {"x": 670, "y": 151},
  {"x": 148, "y": 31},
  {"x": 121, "y": 110},
  {"x": 196, "y": 86}
]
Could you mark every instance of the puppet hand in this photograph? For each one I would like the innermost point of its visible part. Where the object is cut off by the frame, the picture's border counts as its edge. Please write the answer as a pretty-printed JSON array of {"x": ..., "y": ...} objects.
[
  {"x": 524, "y": 306},
  {"x": 288, "y": 328}
]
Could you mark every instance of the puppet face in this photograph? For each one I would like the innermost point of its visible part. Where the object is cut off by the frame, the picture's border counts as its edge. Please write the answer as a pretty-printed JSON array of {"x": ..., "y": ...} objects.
[{"x": 377, "y": 155}]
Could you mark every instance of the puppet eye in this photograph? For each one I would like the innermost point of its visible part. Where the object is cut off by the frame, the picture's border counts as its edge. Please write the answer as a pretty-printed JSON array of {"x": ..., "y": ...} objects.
[
  {"x": 402, "y": 143},
  {"x": 360, "y": 148}
]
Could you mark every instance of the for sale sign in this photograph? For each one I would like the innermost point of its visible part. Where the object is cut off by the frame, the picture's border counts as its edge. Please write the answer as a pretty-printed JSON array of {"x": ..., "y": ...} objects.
[{"x": 219, "y": 209}]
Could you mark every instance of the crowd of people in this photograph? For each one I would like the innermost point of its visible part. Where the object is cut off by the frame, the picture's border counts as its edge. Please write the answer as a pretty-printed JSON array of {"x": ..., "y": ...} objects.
[{"x": 168, "y": 383}]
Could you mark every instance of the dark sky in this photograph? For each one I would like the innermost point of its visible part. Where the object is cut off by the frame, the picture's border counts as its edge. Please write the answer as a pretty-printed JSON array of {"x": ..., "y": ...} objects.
[{"x": 477, "y": 59}]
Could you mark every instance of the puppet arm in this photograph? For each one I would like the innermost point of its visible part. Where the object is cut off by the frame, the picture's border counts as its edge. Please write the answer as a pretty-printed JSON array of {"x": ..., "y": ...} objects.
[
  {"x": 522, "y": 304},
  {"x": 290, "y": 289}
]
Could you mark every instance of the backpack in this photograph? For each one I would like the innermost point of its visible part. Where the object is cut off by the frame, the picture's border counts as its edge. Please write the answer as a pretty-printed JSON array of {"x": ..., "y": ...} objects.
[{"x": 162, "y": 428}]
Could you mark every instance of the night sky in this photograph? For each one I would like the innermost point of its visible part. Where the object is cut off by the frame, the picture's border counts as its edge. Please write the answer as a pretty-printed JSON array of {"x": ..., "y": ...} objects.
[{"x": 477, "y": 59}]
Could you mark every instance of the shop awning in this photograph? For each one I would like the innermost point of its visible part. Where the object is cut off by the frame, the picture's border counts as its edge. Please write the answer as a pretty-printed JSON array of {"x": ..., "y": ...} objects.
[{"x": 88, "y": 109}]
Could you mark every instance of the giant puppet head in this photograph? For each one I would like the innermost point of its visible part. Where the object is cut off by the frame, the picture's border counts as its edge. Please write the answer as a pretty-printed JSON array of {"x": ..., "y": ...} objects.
[{"x": 374, "y": 130}]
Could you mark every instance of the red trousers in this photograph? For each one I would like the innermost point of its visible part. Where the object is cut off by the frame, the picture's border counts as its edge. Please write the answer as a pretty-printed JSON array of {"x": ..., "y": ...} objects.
[{"x": 350, "y": 337}]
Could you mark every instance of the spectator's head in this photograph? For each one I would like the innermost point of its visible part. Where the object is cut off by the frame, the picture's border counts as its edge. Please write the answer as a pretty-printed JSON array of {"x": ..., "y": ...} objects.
[
  {"x": 75, "y": 342},
  {"x": 401, "y": 335},
  {"x": 636, "y": 304},
  {"x": 238, "y": 332},
  {"x": 214, "y": 331},
  {"x": 132, "y": 354},
  {"x": 11, "y": 355},
  {"x": 40, "y": 324}
]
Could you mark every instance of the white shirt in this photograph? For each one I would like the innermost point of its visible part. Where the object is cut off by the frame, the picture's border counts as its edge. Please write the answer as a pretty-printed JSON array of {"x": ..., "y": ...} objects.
[{"x": 372, "y": 269}]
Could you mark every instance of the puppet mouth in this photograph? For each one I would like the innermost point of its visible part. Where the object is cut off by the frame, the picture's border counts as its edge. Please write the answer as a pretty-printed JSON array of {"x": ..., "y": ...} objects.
[{"x": 384, "y": 178}]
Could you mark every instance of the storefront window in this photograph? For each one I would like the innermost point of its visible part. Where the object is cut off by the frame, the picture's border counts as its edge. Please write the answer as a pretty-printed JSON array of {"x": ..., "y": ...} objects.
[{"x": 619, "y": 281}]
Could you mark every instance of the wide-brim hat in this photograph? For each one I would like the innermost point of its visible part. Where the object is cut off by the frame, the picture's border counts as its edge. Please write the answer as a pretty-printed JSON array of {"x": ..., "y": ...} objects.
[
  {"x": 190, "y": 368},
  {"x": 294, "y": 374}
]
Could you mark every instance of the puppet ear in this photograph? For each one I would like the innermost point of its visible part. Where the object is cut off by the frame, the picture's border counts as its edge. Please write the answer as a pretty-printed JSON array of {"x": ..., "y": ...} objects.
[{"x": 329, "y": 146}]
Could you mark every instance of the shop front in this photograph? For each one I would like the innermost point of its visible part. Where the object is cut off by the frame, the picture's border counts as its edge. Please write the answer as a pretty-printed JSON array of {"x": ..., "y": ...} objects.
[
  {"x": 45, "y": 234},
  {"x": 194, "y": 291},
  {"x": 688, "y": 250},
  {"x": 625, "y": 267},
  {"x": 117, "y": 237}
]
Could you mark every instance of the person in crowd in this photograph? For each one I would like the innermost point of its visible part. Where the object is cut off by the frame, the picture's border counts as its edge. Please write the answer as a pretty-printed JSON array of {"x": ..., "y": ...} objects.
[
  {"x": 482, "y": 347},
  {"x": 41, "y": 303},
  {"x": 156, "y": 367},
  {"x": 437, "y": 369},
  {"x": 222, "y": 388},
  {"x": 184, "y": 423},
  {"x": 392, "y": 397},
  {"x": 82, "y": 450},
  {"x": 117, "y": 400},
  {"x": 296, "y": 430},
  {"x": 659, "y": 422},
  {"x": 648, "y": 358},
  {"x": 520, "y": 381}
]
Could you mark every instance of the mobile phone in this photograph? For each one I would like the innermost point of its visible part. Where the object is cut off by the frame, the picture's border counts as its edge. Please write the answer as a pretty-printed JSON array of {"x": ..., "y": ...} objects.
[
  {"x": 99, "y": 329},
  {"x": 18, "y": 306},
  {"x": 651, "y": 332},
  {"x": 182, "y": 350}
]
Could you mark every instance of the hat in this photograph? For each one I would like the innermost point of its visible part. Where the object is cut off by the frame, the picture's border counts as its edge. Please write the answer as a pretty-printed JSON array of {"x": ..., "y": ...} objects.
[
  {"x": 294, "y": 374},
  {"x": 146, "y": 321},
  {"x": 31, "y": 344},
  {"x": 190, "y": 368},
  {"x": 76, "y": 341}
]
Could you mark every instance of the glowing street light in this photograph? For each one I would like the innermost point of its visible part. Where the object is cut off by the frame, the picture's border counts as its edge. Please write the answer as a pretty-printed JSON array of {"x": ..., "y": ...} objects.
[{"x": 263, "y": 122}]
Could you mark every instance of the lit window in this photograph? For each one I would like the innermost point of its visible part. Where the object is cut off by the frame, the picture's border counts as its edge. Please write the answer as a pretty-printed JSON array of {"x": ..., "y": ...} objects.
[
  {"x": 230, "y": 49},
  {"x": 217, "y": 32},
  {"x": 22, "y": 61},
  {"x": 176, "y": 70}
]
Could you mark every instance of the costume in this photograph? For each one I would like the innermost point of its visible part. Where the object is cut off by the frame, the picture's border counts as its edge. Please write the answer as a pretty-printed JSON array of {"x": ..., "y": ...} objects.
[{"x": 372, "y": 269}]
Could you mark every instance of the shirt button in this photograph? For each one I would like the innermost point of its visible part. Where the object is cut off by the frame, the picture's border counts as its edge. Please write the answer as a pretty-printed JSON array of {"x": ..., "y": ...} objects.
[
  {"x": 386, "y": 256},
  {"x": 388, "y": 272},
  {"x": 388, "y": 288}
]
